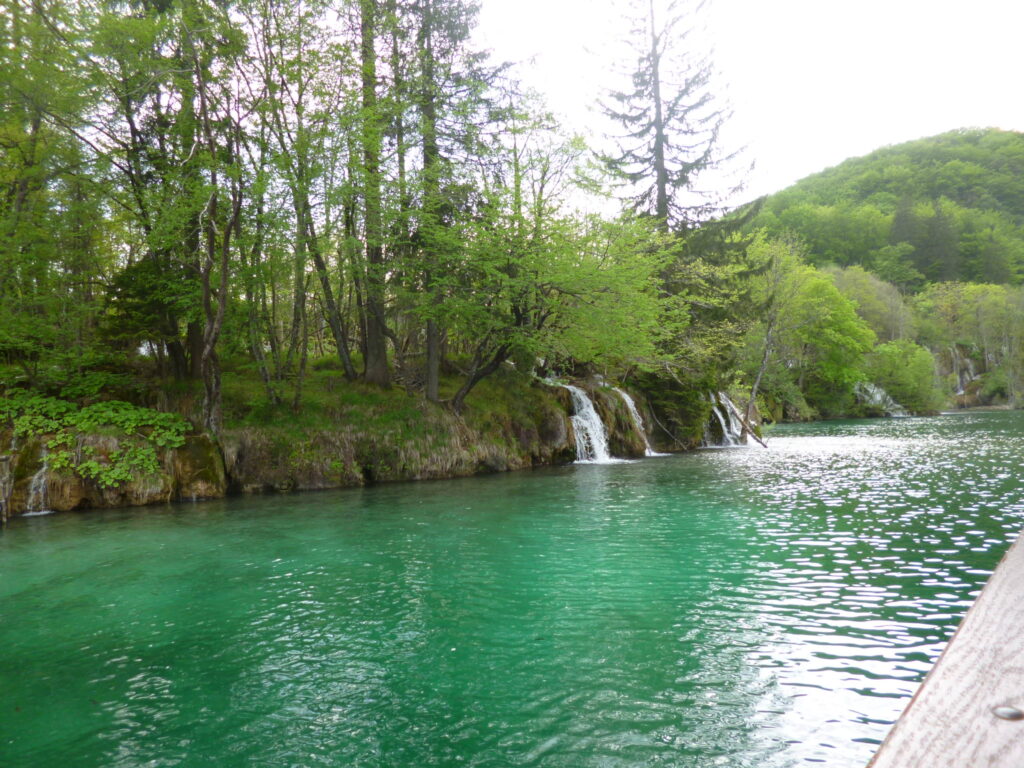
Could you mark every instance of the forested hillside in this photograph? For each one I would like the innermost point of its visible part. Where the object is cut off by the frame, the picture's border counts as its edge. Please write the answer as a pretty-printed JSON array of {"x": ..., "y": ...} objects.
[
  {"x": 925, "y": 240},
  {"x": 939, "y": 209}
]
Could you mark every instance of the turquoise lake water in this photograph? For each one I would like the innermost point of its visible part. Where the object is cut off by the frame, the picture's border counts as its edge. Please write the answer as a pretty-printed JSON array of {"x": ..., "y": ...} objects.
[{"x": 733, "y": 607}]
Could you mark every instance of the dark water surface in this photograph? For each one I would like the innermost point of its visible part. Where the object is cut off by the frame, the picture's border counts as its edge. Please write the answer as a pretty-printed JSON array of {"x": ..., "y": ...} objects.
[{"x": 740, "y": 607}]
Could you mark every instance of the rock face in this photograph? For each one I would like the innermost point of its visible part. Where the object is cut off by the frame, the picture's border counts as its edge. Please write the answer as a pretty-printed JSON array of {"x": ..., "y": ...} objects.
[
  {"x": 263, "y": 460},
  {"x": 28, "y": 484},
  {"x": 624, "y": 440},
  {"x": 267, "y": 459}
]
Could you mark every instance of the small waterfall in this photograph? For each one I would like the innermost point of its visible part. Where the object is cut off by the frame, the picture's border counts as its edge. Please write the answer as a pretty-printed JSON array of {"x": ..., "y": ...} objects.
[
  {"x": 638, "y": 421},
  {"x": 958, "y": 370},
  {"x": 7, "y": 478},
  {"x": 729, "y": 421},
  {"x": 591, "y": 439},
  {"x": 964, "y": 370},
  {"x": 35, "y": 504},
  {"x": 874, "y": 396},
  {"x": 6, "y": 485}
]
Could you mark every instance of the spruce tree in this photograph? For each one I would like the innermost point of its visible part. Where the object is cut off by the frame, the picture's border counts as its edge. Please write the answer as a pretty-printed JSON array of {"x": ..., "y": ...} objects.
[{"x": 670, "y": 117}]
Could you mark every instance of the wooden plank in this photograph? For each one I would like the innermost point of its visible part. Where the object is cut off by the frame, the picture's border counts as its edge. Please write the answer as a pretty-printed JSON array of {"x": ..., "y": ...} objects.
[{"x": 951, "y": 722}]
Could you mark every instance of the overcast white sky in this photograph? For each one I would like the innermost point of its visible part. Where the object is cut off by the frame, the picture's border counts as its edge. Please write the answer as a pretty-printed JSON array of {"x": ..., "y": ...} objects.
[{"x": 811, "y": 82}]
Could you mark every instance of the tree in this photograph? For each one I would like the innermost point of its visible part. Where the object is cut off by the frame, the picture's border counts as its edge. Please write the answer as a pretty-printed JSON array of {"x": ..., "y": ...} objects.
[
  {"x": 938, "y": 255},
  {"x": 449, "y": 86},
  {"x": 906, "y": 371},
  {"x": 878, "y": 303},
  {"x": 51, "y": 222},
  {"x": 670, "y": 118},
  {"x": 212, "y": 46},
  {"x": 371, "y": 137},
  {"x": 810, "y": 332},
  {"x": 776, "y": 291},
  {"x": 300, "y": 93}
]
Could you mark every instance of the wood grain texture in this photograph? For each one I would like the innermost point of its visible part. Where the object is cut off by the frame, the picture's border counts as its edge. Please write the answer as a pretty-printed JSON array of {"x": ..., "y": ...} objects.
[{"x": 949, "y": 723}]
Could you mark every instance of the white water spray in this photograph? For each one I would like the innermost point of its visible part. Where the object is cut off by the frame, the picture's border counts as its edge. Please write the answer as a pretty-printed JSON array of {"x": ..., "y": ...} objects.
[
  {"x": 591, "y": 439},
  {"x": 35, "y": 504},
  {"x": 638, "y": 422},
  {"x": 963, "y": 370},
  {"x": 729, "y": 420},
  {"x": 874, "y": 396}
]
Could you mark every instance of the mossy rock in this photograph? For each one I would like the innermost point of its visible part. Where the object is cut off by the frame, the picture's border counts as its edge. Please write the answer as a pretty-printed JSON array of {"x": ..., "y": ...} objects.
[{"x": 197, "y": 469}]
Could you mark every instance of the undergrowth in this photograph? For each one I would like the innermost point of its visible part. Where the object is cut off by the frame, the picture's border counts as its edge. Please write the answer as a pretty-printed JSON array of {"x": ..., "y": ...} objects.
[{"x": 141, "y": 433}]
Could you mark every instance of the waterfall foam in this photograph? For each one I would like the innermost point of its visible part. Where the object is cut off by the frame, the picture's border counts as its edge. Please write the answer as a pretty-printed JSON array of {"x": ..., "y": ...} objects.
[
  {"x": 729, "y": 421},
  {"x": 964, "y": 370},
  {"x": 6, "y": 485},
  {"x": 874, "y": 396},
  {"x": 591, "y": 438},
  {"x": 37, "y": 489},
  {"x": 638, "y": 422}
]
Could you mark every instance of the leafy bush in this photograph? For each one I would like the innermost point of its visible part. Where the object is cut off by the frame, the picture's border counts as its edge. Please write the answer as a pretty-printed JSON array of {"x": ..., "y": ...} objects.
[
  {"x": 140, "y": 433},
  {"x": 907, "y": 372},
  {"x": 995, "y": 385}
]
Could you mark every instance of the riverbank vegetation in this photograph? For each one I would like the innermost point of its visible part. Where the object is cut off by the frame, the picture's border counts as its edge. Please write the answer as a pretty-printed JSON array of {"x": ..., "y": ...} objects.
[
  {"x": 925, "y": 239},
  {"x": 263, "y": 212}
]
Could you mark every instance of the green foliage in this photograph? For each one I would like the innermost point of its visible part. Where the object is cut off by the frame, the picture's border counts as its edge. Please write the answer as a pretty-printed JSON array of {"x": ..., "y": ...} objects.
[
  {"x": 148, "y": 301},
  {"x": 140, "y": 432},
  {"x": 826, "y": 343},
  {"x": 997, "y": 385},
  {"x": 605, "y": 307},
  {"x": 669, "y": 120},
  {"x": 91, "y": 384},
  {"x": 943, "y": 209},
  {"x": 810, "y": 339},
  {"x": 907, "y": 372},
  {"x": 878, "y": 303},
  {"x": 891, "y": 264}
]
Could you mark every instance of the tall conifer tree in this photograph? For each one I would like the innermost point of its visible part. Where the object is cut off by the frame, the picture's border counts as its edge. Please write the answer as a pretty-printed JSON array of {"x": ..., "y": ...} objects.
[{"x": 669, "y": 115}]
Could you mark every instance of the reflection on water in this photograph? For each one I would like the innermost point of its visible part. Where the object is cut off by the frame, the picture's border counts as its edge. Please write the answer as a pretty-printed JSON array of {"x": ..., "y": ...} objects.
[{"x": 741, "y": 607}]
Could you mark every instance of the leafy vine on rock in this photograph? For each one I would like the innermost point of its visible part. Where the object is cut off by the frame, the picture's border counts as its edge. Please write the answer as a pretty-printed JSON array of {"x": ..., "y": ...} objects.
[{"x": 140, "y": 433}]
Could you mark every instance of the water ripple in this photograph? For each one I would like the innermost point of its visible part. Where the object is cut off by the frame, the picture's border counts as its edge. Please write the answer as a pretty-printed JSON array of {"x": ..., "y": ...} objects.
[{"x": 761, "y": 608}]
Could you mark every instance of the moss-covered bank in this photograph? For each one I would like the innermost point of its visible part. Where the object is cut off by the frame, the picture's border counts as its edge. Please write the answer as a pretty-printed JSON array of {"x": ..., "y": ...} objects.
[{"x": 348, "y": 436}]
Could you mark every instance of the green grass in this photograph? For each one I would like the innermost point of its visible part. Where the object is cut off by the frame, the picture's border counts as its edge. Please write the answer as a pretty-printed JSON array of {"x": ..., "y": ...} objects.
[{"x": 329, "y": 401}]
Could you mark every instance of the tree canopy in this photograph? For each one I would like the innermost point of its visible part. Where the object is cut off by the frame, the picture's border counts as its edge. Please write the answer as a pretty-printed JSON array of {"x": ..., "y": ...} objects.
[{"x": 944, "y": 208}]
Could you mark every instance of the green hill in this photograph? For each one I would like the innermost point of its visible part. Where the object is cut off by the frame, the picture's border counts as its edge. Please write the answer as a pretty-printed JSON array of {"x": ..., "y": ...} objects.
[{"x": 945, "y": 208}]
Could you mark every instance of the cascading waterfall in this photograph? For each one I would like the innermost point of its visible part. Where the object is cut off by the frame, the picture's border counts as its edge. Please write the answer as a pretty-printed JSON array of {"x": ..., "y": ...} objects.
[
  {"x": 874, "y": 396},
  {"x": 591, "y": 439},
  {"x": 729, "y": 421},
  {"x": 35, "y": 504},
  {"x": 6, "y": 483},
  {"x": 7, "y": 479},
  {"x": 963, "y": 370},
  {"x": 638, "y": 422}
]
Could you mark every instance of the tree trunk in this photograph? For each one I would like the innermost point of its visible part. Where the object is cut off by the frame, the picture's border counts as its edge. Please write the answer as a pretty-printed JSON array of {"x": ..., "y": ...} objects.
[
  {"x": 432, "y": 377},
  {"x": 478, "y": 374},
  {"x": 660, "y": 169},
  {"x": 765, "y": 357},
  {"x": 309, "y": 237},
  {"x": 254, "y": 324},
  {"x": 194, "y": 344},
  {"x": 431, "y": 196},
  {"x": 376, "y": 341}
]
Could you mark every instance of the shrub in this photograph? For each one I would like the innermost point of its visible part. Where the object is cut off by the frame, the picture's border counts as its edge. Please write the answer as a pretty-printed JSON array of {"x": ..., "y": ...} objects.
[
  {"x": 141, "y": 433},
  {"x": 907, "y": 372}
]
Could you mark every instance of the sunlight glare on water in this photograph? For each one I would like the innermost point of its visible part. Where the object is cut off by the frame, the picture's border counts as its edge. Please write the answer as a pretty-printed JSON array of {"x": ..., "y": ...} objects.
[{"x": 739, "y": 607}]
